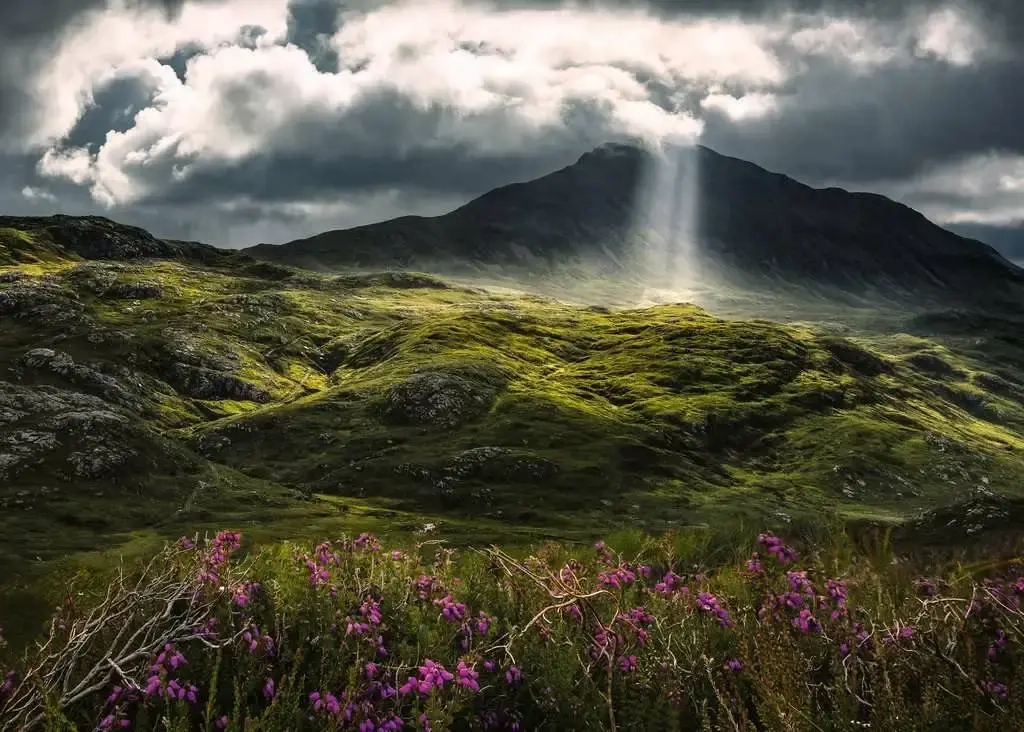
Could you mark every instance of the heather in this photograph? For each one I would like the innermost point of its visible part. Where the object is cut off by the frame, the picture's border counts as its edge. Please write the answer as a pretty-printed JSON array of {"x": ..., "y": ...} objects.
[{"x": 650, "y": 634}]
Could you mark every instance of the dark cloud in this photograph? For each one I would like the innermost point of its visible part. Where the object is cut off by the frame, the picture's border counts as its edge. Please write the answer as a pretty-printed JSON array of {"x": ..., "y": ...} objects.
[
  {"x": 838, "y": 125},
  {"x": 833, "y": 124},
  {"x": 30, "y": 30},
  {"x": 311, "y": 23},
  {"x": 113, "y": 110}
]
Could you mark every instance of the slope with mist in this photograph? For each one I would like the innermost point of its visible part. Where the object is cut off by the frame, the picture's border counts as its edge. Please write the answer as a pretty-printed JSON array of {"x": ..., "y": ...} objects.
[
  {"x": 150, "y": 388},
  {"x": 743, "y": 226}
]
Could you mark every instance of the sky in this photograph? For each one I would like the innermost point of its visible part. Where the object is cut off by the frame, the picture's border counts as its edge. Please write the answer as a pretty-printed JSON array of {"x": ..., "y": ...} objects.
[{"x": 237, "y": 122}]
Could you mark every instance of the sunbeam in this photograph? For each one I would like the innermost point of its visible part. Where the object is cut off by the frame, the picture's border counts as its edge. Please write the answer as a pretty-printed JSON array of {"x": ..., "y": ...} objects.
[{"x": 666, "y": 226}]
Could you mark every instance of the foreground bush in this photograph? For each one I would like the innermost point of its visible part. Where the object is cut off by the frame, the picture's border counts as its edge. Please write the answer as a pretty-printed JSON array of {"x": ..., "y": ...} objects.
[{"x": 347, "y": 635}]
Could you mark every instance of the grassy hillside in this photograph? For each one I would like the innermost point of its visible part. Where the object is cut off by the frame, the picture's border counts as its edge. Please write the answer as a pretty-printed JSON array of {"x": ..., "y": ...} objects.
[{"x": 148, "y": 397}]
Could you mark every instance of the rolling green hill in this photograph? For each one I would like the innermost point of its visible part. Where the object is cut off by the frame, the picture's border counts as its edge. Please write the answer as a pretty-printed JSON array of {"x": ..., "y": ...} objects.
[{"x": 185, "y": 388}]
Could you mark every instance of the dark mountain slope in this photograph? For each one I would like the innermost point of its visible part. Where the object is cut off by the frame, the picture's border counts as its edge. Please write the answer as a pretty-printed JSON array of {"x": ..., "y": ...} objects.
[{"x": 752, "y": 225}]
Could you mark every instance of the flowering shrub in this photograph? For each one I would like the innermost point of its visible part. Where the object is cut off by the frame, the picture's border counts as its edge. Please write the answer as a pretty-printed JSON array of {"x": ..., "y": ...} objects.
[{"x": 348, "y": 636}]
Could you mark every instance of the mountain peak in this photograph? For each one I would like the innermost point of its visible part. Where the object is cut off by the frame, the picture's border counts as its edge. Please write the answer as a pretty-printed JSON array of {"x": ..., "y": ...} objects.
[{"x": 740, "y": 222}]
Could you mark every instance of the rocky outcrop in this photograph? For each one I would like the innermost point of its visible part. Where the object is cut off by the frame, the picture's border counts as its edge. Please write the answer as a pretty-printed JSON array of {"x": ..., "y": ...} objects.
[
  {"x": 39, "y": 300},
  {"x": 81, "y": 375},
  {"x": 440, "y": 398},
  {"x": 205, "y": 383},
  {"x": 134, "y": 291},
  {"x": 73, "y": 435}
]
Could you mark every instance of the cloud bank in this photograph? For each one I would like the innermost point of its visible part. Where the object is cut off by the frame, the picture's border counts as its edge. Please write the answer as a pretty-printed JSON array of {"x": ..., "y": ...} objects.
[{"x": 239, "y": 119}]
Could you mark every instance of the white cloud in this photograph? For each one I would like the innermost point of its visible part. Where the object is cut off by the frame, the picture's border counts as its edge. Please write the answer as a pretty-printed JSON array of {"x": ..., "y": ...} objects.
[
  {"x": 743, "y": 107},
  {"x": 37, "y": 194},
  {"x": 105, "y": 41},
  {"x": 433, "y": 75},
  {"x": 949, "y": 35}
]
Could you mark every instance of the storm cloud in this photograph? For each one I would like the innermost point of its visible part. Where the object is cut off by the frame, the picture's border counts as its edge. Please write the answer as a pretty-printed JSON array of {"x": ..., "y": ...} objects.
[{"x": 238, "y": 121}]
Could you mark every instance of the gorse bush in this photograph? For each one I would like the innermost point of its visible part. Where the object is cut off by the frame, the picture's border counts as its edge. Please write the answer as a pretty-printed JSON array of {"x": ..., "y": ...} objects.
[{"x": 348, "y": 635}]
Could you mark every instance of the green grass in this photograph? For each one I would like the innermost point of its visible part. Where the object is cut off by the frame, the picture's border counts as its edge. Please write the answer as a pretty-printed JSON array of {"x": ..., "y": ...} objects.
[{"x": 571, "y": 420}]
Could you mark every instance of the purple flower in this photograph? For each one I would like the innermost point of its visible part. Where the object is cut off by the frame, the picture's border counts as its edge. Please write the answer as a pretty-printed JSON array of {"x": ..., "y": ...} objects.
[
  {"x": 269, "y": 689},
  {"x": 708, "y": 603},
  {"x": 805, "y": 622},
  {"x": 453, "y": 612},
  {"x": 996, "y": 688},
  {"x": 774, "y": 546},
  {"x": 513, "y": 676},
  {"x": 467, "y": 676},
  {"x": 627, "y": 664},
  {"x": 153, "y": 684},
  {"x": 734, "y": 664}
]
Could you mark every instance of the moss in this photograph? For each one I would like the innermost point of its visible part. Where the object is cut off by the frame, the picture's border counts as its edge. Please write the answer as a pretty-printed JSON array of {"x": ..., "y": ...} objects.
[{"x": 664, "y": 415}]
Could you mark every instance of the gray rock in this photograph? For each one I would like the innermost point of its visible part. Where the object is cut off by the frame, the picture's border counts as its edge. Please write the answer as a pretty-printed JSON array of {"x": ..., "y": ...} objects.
[
  {"x": 40, "y": 301},
  {"x": 134, "y": 291},
  {"x": 40, "y": 420},
  {"x": 438, "y": 398},
  {"x": 81, "y": 375},
  {"x": 204, "y": 383}
]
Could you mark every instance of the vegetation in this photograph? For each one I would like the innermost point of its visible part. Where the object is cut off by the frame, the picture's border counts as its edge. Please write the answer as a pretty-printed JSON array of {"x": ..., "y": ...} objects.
[
  {"x": 180, "y": 389},
  {"x": 347, "y": 635}
]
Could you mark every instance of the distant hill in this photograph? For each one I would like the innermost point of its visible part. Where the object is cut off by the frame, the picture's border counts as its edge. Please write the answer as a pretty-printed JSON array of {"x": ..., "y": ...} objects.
[
  {"x": 752, "y": 225},
  {"x": 31, "y": 239}
]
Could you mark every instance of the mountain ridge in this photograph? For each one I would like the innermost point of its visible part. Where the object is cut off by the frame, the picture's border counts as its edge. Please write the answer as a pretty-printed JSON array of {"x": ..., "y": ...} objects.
[{"x": 753, "y": 225}]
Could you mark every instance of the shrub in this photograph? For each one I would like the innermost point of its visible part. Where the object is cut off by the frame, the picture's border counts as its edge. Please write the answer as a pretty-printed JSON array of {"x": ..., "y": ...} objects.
[{"x": 348, "y": 635}]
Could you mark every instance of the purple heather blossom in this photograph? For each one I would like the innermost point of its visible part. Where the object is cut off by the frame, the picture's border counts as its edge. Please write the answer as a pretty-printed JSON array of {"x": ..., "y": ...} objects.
[
  {"x": 996, "y": 688},
  {"x": 467, "y": 676},
  {"x": 269, "y": 689},
  {"x": 453, "y": 612},
  {"x": 734, "y": 664},
  {"x": 222, "y": 721},
  {"x": 774, "y": 546},
  {"x": 8, "y": 686},
  {"x": 997, "y": 645},
  {"x": 186, "y": 543},
  {"x": 318, "y": 574},
  {"x": 431, "y": 675},
  {"x": 618, "y": 577},
  {"x": 805, "y": 622},
  {"x": 153, "y": 685},
  {"x": 709, "y": 603},
  {"x": 669, "y": 584},
  {"x": 627, "y": 664},
  {"x": 513, "y": 676}
]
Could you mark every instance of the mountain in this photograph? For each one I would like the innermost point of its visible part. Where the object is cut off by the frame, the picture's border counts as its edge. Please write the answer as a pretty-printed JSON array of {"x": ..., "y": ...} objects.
[
  {"x": 752, "y": 225},
  {"x": 1007, "y": 240}
]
